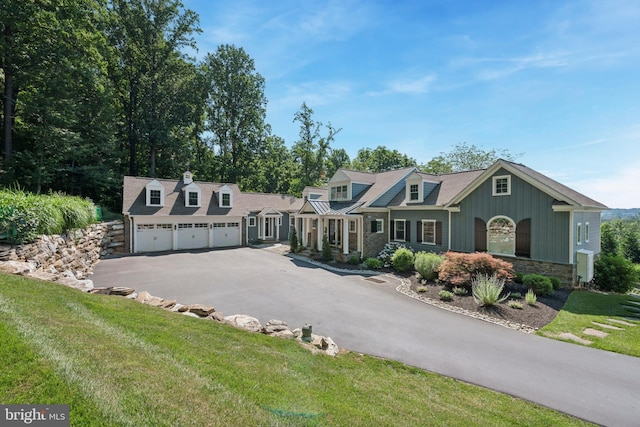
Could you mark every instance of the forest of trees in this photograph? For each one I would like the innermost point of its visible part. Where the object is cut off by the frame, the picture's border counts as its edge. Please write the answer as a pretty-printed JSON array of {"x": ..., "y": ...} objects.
[{"x": 97, "y": 89}]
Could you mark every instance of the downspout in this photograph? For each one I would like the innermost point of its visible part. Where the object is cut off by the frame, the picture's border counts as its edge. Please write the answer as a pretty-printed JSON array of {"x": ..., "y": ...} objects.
[
  {"x": 131, "y": 248},
  {"x": 449, "y": 232},
  {"x": 571, "y": 247}
]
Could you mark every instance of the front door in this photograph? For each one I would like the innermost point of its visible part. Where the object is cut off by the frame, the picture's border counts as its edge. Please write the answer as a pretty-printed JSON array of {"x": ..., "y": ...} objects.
[{"x": 268, "y": 228}]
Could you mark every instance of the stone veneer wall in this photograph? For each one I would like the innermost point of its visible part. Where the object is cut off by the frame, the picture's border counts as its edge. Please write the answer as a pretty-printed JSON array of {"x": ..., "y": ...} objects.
[
  {"x": 76, "y": 251},
  {"x": 374, "y": 242},
  {"x": 564, "y": 272}
]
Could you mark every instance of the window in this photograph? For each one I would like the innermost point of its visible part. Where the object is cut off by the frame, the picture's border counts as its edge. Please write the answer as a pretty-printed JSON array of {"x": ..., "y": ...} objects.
[
  {"x": 252, "y": 221},
  {"x": 501, "y": 236},
  {"x": 399, "y": 230},
  {"x": 155, "y": 197},
  {"x": 226, "y": 200},
  {"x": 280, "y": 221},
  {"x": 586, "y": 232},
  {"x": 579, "y": 233},
  {"x": 339, "y": 192},
  {"x": 377, "y": 226},
  {"x": 413, "y": 192},
  {"x": 502, "y": 185},
  {"x": 193, "y": 199},
  {"x": 352, "y": 226},
  {"x": 429, "y": 232}
]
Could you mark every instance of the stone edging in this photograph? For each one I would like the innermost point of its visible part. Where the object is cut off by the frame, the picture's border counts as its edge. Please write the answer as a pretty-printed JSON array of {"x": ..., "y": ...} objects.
[{"x": 405, "y": 288}]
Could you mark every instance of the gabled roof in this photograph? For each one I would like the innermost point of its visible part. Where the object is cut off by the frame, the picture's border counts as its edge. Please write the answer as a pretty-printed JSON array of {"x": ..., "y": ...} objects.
[
  {"x": 134, "y": 199},
  {"x": 384, "y": 181},
  {"x": 448, "y": 186},
  {"x": 560, "y": 192},
  {"x": 324, "y": 207}
]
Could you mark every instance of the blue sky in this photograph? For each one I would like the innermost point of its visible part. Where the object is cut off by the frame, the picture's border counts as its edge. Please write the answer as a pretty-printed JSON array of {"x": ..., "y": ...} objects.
[{"x": 558, "y": 81}]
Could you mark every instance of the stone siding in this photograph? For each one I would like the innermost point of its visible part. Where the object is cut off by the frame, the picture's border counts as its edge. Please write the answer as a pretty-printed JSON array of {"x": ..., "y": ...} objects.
[
  {"x": 374, "y": 242},
  {"x": 564, "y": 272}
]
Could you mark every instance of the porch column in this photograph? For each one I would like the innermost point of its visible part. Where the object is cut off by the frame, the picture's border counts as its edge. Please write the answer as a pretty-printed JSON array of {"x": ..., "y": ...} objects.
[
  {"x": 277, "y": 220},
  {"x": 302, "y": 232},
  {"x": 345, "y": 236},
  {"x": 320, "y": 232},
  {"x": 359, "y": 234}
]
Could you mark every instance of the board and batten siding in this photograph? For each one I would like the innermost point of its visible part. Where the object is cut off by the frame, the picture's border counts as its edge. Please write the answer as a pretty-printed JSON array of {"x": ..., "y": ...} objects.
[
  {"x": 356, "y": 189},
  {"x": 386, "y": 198},
  {"x": 592, "y": 241},
  {"x": 549, "y": 229},
  {"x": 413, "y": 217}
]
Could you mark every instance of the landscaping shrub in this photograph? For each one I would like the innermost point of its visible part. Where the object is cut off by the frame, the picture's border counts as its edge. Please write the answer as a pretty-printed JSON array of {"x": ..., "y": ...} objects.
[
  {"x": 555, "y": 282},
  {"x": 517, "y": 278},
  {"x": 540, "y": 284},
  {"x": 460, "y": 291},
  {"x": 373, "y": 263},
  {"x": 459, "y": 269},
  {"x": 293, "y": 241},
  {"x": 445, "y": 295},
  {"x": 426, "y": 264},
  {"x": 421, "y": 289},
  {"x": 387, "y": 252},
  {"x": 530, "y": 297},
  {"x": 614, "y": 273},
  {"x": 486, "y": 290},
  {"x": 515, "y": 304},
  {"x": 402, "y": 259},
  {"x": 326, "y": 249},
  {"x": 516, "y": 295},
  {"x": 354, "y": 260}
]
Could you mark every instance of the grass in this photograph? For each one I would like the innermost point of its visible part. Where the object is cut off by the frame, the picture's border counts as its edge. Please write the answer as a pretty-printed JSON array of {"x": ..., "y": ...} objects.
[
  {"x": 118, "y": 362},
  {"x": 582, "y": 308}
]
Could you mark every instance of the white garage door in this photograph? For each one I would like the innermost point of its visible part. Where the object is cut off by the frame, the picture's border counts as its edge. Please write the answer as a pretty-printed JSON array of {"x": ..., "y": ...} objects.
[
  {"x": 193, "y": 236},
  {"x": 154, "y": 237},
  {"x": 226, "y": 234}
]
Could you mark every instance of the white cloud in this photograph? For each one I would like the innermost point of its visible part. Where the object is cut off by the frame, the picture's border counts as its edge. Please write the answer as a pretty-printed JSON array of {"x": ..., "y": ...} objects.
[
  {"x": 415, "y": 86},
  {"x": 616, "y": 189}
]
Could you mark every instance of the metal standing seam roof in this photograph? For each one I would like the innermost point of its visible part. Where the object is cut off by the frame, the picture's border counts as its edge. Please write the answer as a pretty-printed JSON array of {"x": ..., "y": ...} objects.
[{"x": 324, "y": 207}]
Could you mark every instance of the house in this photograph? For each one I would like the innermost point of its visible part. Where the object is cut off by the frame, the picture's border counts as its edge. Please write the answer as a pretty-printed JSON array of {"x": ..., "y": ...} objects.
[
  {"x": 164, "y": 215},
  {"x": 508, "y": 210}
]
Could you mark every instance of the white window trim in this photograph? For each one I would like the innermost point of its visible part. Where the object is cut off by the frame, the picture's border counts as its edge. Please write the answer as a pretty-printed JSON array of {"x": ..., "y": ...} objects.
[
  {"x": 352, "y": 226},
  {"x": 186, "y": 198},
  {"x": 252, "y": 221},
  {"x": 425, "y": 221},
  {"x": 334, "y": 195},
  {"x": 395, "y": 230},
  {"x": 157, "y": 187},
  {"x": 379, "y": 225},
  {"x": 586, "y": 232},
  {"x": 494, "y": 181},
  {"x": 222, "y": 194},
  {"x": 515, "y": 227},
  {"x": 579, "y": 233}
]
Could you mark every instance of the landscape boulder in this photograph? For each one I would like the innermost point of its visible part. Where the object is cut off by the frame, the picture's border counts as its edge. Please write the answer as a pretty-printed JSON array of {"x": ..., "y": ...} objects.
[{"x": 244, "y": 322}]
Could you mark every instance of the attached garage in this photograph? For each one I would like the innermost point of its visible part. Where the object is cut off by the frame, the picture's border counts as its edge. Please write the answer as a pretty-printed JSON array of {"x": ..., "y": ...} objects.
[
  {"x": 193, "y": 235},
  {"x": 226, "y": 234},
  {"x": 154, "y": 237}
]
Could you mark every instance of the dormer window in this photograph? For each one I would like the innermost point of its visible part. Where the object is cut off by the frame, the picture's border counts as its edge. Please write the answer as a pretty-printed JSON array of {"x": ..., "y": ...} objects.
[
  {"x": 414, "y": 192},
  {"x": 339, "y": 193},
  {"x": 192, "y": 195},
  {"x": 225, "y": 198},
  {"x": 154, "y": 194}
]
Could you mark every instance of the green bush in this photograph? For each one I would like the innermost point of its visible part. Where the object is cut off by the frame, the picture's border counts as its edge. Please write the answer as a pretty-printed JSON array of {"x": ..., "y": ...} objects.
[
  {"x": 540, "y": 284},
  {"x": 516, "y": 295},
  {"x": 426, "y": 264},
  {"x": 354, "y": 260},
  {"x": 555, "y": 282},
  {"x": 293, "y": 241},
  {"x": 459, "y": 269},
  {"x": 486, "y": 290},
  {"x": 387, "y": 252},
  {"x": 530, "y": 297},
  {"x": 373, "y": 263},
  {"x": 421, "y": 289},
  {"x": 515, "y": 304},
  {"x": 402, "y": 259},
  {"x": 457, "y": 290},
  {"x": 614, "y": 273},
  {"x": 518, "y": 277},
  {"x": 326, "y": 249},
  {"x": 445, "y": 295}
]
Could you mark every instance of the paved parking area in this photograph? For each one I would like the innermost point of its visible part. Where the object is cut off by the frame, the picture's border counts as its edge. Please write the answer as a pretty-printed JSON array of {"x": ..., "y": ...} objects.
[{"x": 373, "y": 318}]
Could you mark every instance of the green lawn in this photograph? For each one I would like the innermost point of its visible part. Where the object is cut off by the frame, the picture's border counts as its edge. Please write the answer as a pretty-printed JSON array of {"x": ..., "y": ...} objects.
[
  {"x": 583, "y": 308},
  {"x": 118, "y": 362}
]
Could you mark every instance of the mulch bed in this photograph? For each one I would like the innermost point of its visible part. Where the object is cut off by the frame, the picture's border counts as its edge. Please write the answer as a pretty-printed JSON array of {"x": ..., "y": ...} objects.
[{"x": 536, "y": 316}]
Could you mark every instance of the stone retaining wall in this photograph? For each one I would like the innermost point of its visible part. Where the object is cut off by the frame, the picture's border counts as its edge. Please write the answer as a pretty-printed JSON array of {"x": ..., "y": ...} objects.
[
  {"x": 75, "y": 252},
  {"x": 564, "y": 272}
]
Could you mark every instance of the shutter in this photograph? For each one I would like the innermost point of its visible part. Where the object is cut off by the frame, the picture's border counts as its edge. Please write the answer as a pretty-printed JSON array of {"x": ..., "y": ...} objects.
[
  {"x": 419, "y": 228},
  {"x": 523, "y": 238},
  {"x": 392, "y": 231},
  {"x": 438, "y": 232},
  {"x": 407, "y": 228},
  {"x": 480, "y": 235},
  {"x": 374, "y": 226}
]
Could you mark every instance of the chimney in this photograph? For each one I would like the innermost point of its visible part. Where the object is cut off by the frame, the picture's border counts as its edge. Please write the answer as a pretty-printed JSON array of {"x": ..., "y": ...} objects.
[{"x": 187, "y": 178}]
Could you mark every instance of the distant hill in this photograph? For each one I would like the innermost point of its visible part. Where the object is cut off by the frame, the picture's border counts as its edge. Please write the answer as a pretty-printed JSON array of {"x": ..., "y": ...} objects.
[{"x": 620, "y": 214}]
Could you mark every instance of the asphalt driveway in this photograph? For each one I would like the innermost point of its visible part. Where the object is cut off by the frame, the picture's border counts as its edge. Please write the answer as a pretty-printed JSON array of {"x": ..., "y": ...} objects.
[{"x": 373, "y": 318}]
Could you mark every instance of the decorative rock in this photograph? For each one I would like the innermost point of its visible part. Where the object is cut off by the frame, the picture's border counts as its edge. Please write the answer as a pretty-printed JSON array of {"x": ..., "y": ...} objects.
[
  {"x": 72, "y": 282},
  {"x": 283, "y": 334},
  {"x": 43, "y": 275},
  {"x": 155, "y": 302},
  {"x": 17, "y": 267},
  {"x": 132, "y": 296},
  {"x": 200, "y": 309},
  {"x": 190, "y": 314},
  {"x": 177, "y": 308},
  {"x": 217, "y": 316},
  {"x": 122, "y": 291},
  {"x": 245, "y": 322},
  {"x": 102, "y": 291},
  {"x": 143, "y": 297},
  {"x": 274, "y": 326},
  {"x": 168, "y": 304}
]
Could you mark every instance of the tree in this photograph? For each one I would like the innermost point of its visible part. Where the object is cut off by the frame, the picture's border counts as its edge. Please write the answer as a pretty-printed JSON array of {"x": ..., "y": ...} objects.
[
  {"x": 310, "y": 151},
  {"x": 272, "y": 168},
  {"x": 630, "y": 245},
  {"x": 608, "y": 241},
  {"x": 465, "y": 157},
  {"x": 151, "y": 73},
  {"x": 338, "y": 158},
  {"x": 236, "y": 110},
  {"x": 380, "y": 159}
]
